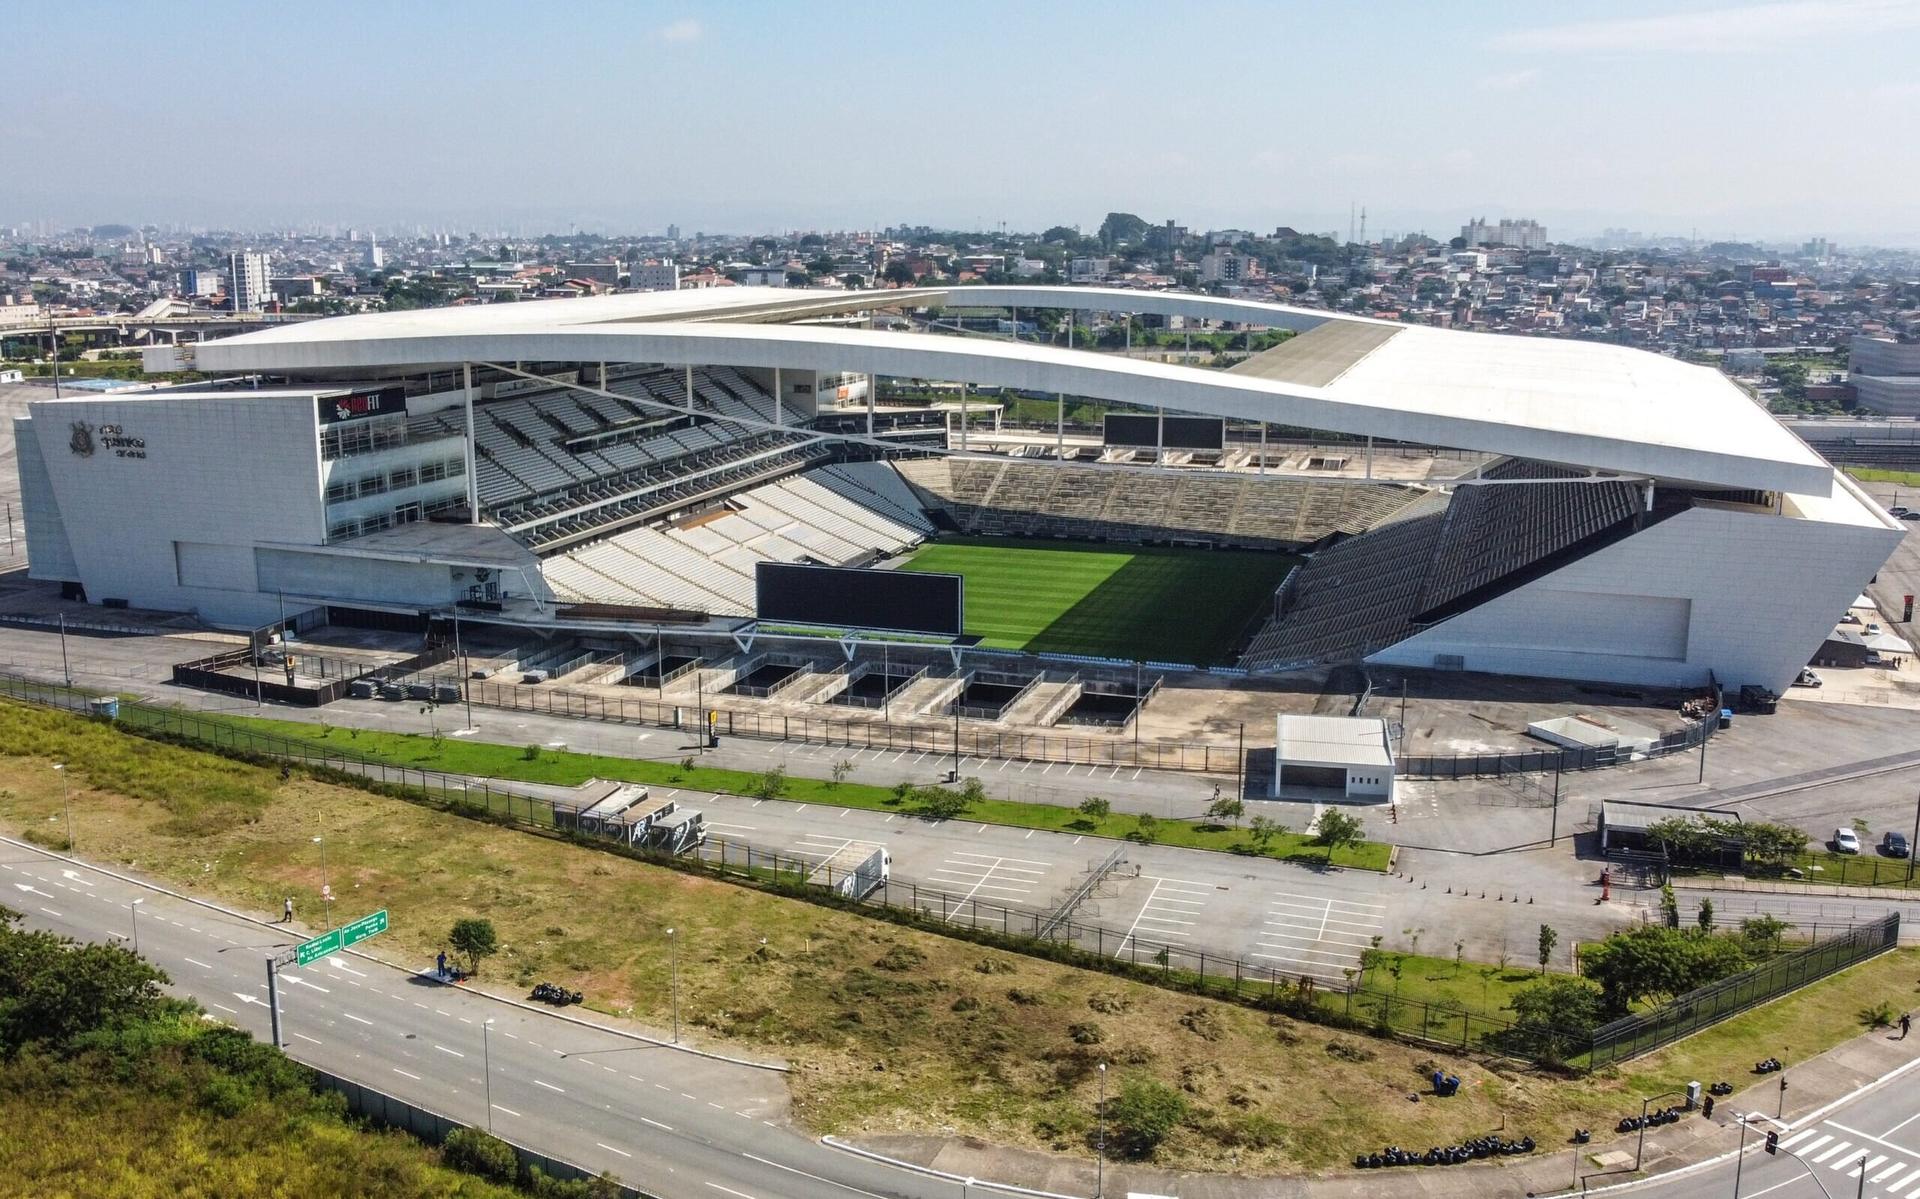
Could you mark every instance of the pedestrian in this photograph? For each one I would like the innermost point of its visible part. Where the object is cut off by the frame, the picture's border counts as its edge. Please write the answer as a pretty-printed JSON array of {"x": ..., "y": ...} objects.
[
  {"x": 286, "y": 911},
  {"x": 1906, "y": 1023},
  {"x": 441, "y": 963}
]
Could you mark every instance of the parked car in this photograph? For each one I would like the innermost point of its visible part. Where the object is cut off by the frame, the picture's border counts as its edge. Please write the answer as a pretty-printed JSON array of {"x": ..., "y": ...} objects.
[
  {"x": 1807, "y": 678},
  {"x": 1910, "y": 516},
  {"x": 1845, "y": 840},
  {"x": 1898, "y": 511},
  {"x": 1894, "y": 845}
]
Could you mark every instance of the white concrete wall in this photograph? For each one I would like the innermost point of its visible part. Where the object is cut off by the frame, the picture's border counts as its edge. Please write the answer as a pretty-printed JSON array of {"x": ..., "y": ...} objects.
[
  {"x": 1370, "y": 782},
  {"x": 218, "y": 474},
  {"x": 1747, "y": 595}
]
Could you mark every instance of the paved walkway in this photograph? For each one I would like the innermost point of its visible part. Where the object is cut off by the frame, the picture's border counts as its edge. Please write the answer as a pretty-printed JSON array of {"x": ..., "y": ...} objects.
[{"x": 1812, "y": 1085}]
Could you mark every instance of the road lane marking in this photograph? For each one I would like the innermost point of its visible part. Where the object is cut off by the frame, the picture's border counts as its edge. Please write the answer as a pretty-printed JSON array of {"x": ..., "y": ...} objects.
[
  {"x": 611, "y": 1149},
  {"x": 508, "y": 1110},
  {"x": 223, "y": 1007},
  {"x": 1867, "y": 1136},
  {"x": 357, "y": 1019},
  {"x": 454, "y": 1052},
  {"x": 199, "y": 963},
  {"x": 305, "y": 1037},
  {"x": 404, "y": 1074},
  {"x": 815, "y": 1177},
  {"x": 51, "y": 912},
  {"x": 549, "y": 1086},
  {"x": 729, "y": 1190}
]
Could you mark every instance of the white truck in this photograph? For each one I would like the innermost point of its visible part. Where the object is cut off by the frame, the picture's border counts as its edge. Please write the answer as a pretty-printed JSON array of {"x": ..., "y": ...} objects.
[{"x": 853, "y": 871}]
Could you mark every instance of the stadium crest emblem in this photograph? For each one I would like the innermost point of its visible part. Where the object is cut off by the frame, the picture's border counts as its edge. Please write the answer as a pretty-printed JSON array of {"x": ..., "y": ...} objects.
[{"x": 80, "y": 440}]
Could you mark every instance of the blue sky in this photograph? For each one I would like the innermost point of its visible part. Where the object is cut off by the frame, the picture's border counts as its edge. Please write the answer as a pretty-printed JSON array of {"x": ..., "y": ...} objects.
[{"x": 1767, "y": 120}]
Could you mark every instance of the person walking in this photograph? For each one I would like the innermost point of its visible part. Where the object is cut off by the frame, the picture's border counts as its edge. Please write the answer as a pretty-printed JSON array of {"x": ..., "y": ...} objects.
[
  {"x": 1906, "y": 1024},
  {"x": 286, "y": 911}
]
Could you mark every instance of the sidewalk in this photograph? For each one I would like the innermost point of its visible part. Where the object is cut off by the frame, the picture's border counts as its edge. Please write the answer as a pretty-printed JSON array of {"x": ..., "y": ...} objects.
[{"x": 1813, "y": 1084}]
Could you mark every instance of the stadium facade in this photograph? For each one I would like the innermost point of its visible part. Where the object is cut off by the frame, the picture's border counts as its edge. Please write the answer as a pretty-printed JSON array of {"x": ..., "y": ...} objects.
[{"x": 1630, "y": 518}]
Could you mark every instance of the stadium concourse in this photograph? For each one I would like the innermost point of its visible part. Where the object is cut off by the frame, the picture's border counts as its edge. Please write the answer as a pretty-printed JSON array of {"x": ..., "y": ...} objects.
[{"x": 601, "y": 473}]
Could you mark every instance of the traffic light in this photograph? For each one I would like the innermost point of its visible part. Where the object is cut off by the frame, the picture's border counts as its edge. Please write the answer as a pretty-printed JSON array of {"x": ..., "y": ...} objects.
[{"x": 1773, "y": 1142}]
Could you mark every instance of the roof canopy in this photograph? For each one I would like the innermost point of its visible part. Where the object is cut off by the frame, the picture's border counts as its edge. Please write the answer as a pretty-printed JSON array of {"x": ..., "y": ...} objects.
[{"x": 1581, "y": 404}]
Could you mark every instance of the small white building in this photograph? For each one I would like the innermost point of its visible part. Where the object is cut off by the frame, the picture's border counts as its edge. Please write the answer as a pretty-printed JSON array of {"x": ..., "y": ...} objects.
[{"x": 1350, "y": 755}]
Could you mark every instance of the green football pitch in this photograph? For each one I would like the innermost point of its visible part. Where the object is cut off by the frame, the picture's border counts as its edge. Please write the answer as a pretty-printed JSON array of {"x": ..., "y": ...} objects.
[{"x": 1135, "y": 602}]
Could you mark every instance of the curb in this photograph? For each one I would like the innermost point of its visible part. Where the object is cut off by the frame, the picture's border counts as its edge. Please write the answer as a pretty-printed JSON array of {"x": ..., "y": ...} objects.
[
  {"x": 1813, "y": 1116},
  {"x": 510, "y": 1002},
  {"x": 913, "y": 1167}
]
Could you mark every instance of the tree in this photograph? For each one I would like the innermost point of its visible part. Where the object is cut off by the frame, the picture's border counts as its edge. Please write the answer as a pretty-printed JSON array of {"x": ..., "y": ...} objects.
[
  {"x": 1141, "y": 1116},
  {"x": 475, "y": 938},
  {"x": 1549, "y": 937},
  {"x": 1227, "y": 807},
  {"x": 840, "y": 770},
  {"x": 771, "y": 783},
  {"x": 1771, "y": 844},
  {"x": 1120, "y": 228},
  {"x": 1555, "y": 1014},
  {"x": 53, "y": 988},
  {"x": 1763, "y": 934},
  {"x": 1146, "y": 829},
  {"x": 898, "y": 273},
  {"x": 1094, "y": 808},
  {"x": 939, "y": 803},
  {"x": 1338, "y": 830},
  {"x": 1652, "y": 962},
  {"x": 1705, "y": 916},
  {"x": 1265, "y": 829}
]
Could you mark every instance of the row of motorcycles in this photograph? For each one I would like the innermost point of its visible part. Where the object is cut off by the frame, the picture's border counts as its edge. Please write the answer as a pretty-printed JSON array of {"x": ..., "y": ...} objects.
[{"x": 1452, "y": 1155}]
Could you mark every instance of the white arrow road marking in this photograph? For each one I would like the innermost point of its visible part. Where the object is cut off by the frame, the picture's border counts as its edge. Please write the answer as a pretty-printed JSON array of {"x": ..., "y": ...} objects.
[
  {"x": 295, "y": 978},
  {"x": 75, "y": 876},
  {"x": 244, "y": 998},
  {"x": 30, "y": 889}
]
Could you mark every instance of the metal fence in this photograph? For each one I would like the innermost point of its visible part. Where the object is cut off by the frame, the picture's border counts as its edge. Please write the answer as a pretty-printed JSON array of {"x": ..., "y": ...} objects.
[
  {"x": 1346, "y": 999},
  {"x": 1689, "y": 1013},
  {"x": 1537, "y": 761},
  {"x": 855, "y": 733}
]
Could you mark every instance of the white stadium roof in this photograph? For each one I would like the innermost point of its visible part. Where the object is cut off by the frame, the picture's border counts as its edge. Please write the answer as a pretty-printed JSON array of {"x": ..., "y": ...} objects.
[{"x": 1582, "y": 404}]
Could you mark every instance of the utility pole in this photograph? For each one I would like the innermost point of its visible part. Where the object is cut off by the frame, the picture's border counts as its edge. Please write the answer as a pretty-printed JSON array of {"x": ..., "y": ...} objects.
[
  {"x": 1100, "y": 1144},
  {"x": 1916, "y": 837},
  {"x": 1553, "y": 837},
  {"x": 66, "y": 802},
  {"x": 673, "y": 951},
  {"x": 273, "y": 1001},
  {"x": 66, "y": 669},
  {"x": 1706, "y": 735},
  {"x": 326, "y": 891},
  {"x": 466, "y": 676}
]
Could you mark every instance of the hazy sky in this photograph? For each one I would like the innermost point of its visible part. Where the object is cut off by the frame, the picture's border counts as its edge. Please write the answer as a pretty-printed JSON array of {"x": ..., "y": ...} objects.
[{"x": 1781, "y": 119}]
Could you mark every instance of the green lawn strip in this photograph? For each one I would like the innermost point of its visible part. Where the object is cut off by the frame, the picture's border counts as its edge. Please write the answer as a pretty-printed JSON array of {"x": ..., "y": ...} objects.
[
  {"x": 568, "y": 768},
  {"x": 1872, "y": 474},
  {"x": 1834, "y": 869}
]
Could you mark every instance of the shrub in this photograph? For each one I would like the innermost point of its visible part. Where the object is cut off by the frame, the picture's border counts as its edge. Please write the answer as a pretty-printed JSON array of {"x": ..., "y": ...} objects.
[
  {"x": 771, "y": 784},
  {"x": 1880, "y": 1015},
  {"x": 1141, "y": 1116},
  {"x": 531, "y": 753},
  {"x": 1094, "y": 808},
  {"x": 1085, "y": 1033},
  {"x": 480, "y": 1153},
  {"x": 901, "y": 957}
]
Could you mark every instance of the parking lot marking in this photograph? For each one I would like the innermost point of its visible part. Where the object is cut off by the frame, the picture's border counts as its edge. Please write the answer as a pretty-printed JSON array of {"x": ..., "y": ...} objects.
[{"x": 1170, "y": 902}]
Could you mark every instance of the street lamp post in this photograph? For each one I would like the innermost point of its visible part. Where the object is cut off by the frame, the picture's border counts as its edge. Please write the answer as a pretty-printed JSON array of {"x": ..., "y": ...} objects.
[
  {"x": 673, "y": 955},
  {"x": 326, "y": 891},
  {"x": 1740, "y": 1156},
  {"x": 133, "y": 914},
  {"x": 486, "y": 1069},
  {"x": 66, "y": 801},
  {"x": 1641, "y": 1149},
  {"x": 1100, "y": 1143}
]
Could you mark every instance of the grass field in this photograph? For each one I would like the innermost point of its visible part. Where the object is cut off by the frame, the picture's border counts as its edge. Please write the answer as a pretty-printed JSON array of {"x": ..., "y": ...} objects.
[
  {"x": 891, "y": 1030},
  {"x": 1872, "y": 474},
  {"x": 1153, "y": 603}
]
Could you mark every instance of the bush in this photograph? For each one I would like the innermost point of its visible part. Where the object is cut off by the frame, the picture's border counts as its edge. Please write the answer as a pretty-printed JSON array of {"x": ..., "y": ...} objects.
[
  {"x": 1141, "y": 1116},
  {"x": 530, "y": 754},
  {"x": 480, "y": 1153},
  {"x": 1880, "y": 1015},
  {"x": 771, "y": 784},
  {"x": 475, "y": 938}
]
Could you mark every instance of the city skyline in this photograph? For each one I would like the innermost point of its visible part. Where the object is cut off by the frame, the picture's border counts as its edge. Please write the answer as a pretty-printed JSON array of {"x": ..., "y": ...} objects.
[{"x": 1762, "y": 122}]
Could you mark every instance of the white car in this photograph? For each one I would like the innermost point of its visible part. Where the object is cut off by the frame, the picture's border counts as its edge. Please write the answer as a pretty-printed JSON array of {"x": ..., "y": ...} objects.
[{"x": 1845, "y": 840}]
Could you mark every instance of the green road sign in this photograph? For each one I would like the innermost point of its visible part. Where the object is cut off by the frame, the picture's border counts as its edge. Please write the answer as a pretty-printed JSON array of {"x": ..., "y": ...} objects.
[{"x": 340, "y": 938}]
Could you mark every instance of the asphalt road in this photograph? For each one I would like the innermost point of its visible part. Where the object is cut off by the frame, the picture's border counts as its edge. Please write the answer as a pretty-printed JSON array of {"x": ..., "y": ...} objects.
[
  {"x": 1869, "y": 1146},
  {"x": 672, "y": 1123}
]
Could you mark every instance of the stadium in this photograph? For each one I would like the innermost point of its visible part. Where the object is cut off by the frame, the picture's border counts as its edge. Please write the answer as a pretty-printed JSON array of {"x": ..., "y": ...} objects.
[{"x": 828, "y": 494}]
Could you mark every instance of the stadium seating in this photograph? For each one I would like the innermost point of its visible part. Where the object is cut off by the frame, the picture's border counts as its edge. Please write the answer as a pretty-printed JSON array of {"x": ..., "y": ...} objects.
[
  {"x": 707, "y": 561},
  {"x": 1016, "y": 498},
  {"x": 1363, "y": 593}
]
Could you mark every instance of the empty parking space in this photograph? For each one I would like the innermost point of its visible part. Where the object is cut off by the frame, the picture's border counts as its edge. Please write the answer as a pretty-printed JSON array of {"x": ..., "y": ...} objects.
[
  {"x": 1315, "y": 934},
  {"x": 1016, "y": 882},
  {"x": 1169, "y": 915}
]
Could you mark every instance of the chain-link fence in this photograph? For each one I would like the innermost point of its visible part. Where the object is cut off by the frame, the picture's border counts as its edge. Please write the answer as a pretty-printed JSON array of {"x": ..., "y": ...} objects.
[{"x": 1633, "y": 1035}]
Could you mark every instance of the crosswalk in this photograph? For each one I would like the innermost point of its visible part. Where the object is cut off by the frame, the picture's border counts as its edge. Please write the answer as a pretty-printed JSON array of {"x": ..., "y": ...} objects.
[{"x": 1889, "y": 1170}]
